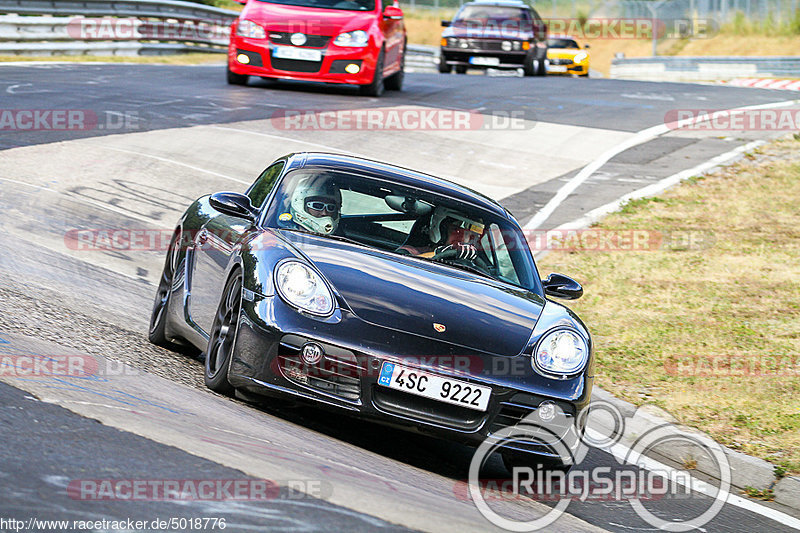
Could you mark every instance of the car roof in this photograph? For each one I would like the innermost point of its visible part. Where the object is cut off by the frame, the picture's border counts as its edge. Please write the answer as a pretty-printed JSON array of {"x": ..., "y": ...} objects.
[
  {"x": 400, "y": 175},
  {"x": 504, "y": 3}
]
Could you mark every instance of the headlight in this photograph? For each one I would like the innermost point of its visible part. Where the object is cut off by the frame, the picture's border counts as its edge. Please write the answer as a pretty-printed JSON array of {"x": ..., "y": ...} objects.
[
  {"x": 562, "y": 352},
  {"x": 248, "y": 28},
  {"x": 352, "y": 38},
  {"x": 580, "y": 56},
  {"x": 303, "y": 288}
]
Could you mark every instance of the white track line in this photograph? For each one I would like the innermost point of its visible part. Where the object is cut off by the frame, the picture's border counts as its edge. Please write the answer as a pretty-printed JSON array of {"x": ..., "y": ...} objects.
[
  {"x": 174, "y": 162},
  {"x": 622, "y": 452},
  {"x": 651, "y": 190},
  {"x": 640, "y": 137}
]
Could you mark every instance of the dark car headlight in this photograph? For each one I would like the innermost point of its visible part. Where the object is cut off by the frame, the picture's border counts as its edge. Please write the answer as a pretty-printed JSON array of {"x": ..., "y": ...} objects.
[
  {"x": 301, "y": 287},
  {"x": 561, "y": 352}
]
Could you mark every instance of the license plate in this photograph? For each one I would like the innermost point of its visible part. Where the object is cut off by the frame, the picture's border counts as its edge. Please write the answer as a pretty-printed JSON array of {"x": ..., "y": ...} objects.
[
  {"x": 557, "y": 68},
  {"x": 486, "y": 61},
  {"x": 434, "y": 387},
  {"x": 303, "y": 54}
]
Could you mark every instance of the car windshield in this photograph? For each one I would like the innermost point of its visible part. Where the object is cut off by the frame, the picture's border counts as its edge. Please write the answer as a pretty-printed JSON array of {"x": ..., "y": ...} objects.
[
  {"x": 402, "y": 220},
  {"x": 347, "y": 5},
  {"x": 562, "y": 43},
  {"x": 492, "y": 14}
]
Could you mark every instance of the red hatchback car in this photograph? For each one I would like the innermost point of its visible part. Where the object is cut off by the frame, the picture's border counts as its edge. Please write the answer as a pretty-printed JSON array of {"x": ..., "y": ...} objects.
[{"x": 358, "y": 42}]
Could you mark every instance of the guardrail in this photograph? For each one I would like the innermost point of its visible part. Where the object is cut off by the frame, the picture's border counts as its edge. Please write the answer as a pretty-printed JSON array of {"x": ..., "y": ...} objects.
[
  {"x": 129, "y": 27},
  {"x": 112, "y": 27},
  {"x": 722, "y": 68},
  {"x": 164, "y": 9}
]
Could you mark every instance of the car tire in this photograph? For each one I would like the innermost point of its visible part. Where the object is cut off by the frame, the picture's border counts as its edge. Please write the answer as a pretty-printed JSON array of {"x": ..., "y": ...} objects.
[
  {"x": 159, "y": 315},
  {"x": 444, "y": 68},
  {"x": 376, "y": 86},
  {"x": 395, "y": 81},
  {"x": 461, "y": 69},
  {"x": 237, "y": 79},
  {"x": 530, "y": 67},
  {"x": 542, "y": 68},
  {"x": 223, "y": 336}
]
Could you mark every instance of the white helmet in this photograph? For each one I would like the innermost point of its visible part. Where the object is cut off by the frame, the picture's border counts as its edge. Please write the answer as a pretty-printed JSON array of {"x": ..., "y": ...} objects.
[
  {"x": 311, "y": 193},
  {"x": 466, "y": 226}
]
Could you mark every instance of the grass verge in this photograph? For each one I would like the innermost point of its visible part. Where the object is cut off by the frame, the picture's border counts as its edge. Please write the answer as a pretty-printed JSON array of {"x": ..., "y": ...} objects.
[{"x": 709, "y": 332}]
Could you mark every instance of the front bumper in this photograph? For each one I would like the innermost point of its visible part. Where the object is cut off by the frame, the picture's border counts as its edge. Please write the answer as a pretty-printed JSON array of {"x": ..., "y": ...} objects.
[
  {"x": 461, "y": 57},
  {"x": 559, "y": 66},
  {"x": 266, "y": 361},
  {"x": 330, "y": 69}
]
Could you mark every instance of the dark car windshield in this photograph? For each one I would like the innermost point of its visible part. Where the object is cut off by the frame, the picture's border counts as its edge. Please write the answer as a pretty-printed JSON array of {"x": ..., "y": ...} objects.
[
  {"x": 347, "y": 5},
  {"x": 402, "y": 220},
  {"x": 492, "y": 14},
  {"x": 562, "y": 43}
]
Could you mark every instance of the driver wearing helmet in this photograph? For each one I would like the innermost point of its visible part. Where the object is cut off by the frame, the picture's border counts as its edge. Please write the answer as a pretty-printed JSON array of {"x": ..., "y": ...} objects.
[
  {"x": 316, "y": 203},
  {"x": 449, "y": 231}
]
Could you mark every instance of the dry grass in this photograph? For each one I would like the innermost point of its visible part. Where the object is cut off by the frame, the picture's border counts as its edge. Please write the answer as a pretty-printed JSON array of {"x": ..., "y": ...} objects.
[{"x": 738, "y": 299}]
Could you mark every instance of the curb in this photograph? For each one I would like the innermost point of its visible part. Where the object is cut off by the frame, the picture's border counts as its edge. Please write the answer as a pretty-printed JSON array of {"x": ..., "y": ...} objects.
[{"x": 745, "y": 469}]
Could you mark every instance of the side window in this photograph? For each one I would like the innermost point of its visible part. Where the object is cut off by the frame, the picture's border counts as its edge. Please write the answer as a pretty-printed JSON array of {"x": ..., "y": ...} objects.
[
  {"x": 505, "y": 266},
  {"x": 263, "y": 185}
]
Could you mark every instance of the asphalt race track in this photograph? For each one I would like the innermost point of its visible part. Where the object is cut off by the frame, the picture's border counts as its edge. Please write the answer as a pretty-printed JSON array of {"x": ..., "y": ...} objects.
[{"x": 166, "y": 134}]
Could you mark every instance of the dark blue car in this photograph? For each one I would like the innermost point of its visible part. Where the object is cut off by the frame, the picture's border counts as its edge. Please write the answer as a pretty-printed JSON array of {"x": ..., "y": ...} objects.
[{"x": 378, "y": 291}]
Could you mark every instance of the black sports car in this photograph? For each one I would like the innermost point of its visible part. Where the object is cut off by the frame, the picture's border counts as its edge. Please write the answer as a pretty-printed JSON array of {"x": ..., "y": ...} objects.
[
  {"x": 379, "y": 291},
  {"x": 500, "y": 34}
]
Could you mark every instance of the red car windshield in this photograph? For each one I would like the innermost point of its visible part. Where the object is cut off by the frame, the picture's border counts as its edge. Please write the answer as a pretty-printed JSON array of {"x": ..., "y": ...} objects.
[{"x": 345, "y": 5}]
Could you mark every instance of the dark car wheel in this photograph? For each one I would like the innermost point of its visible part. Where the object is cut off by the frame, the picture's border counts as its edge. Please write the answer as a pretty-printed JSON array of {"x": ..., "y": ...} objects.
[
  {"x": 158, "y": 317},
  {"x": 376, "y": 87},
  {"x": 461, "y": 69},
  {"x": 444, "y": 68},
  {"x": 542, "y": 68},
  {"x": 530, "y": 66},
  {"x": 223, "y": 336},
  {"x": 236, "y": 79},
  {"x": 395, "y": 81}
]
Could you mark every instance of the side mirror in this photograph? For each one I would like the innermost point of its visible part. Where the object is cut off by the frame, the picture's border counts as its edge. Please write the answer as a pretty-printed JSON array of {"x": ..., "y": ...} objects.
[
  {"x": 233, "y": 204},
  {"x": 561, "y": 286},
  {"x": 446, "y": 23},
  {"x": 393, "y": 13},
  {"x": 586, "y": 46}
]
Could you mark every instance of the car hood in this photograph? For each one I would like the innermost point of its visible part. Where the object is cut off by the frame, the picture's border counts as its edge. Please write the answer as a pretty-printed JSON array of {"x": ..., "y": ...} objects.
[
  {"x": 563, "y": 53},
  {"x": 412, "y": 295},
  {"x": 308, "y": 20}
]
